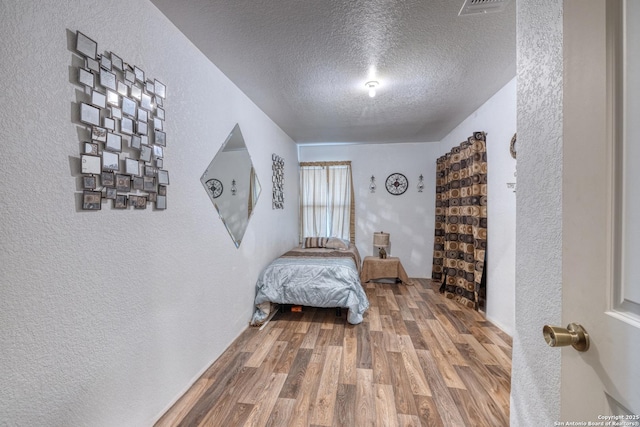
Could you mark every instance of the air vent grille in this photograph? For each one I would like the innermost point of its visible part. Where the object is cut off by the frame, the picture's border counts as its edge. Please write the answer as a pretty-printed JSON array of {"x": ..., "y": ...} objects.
[{"x": 473, "y": 7}]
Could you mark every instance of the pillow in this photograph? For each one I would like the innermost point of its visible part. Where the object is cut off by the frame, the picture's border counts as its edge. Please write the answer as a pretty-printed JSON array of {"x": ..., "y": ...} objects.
[
  {"x": 314, "y": 242},
  {"x": 337, "y": 243}
]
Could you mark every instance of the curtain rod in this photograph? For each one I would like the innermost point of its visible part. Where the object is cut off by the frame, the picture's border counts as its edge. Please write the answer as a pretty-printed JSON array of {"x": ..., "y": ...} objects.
[{"x": 339, "y": 163}]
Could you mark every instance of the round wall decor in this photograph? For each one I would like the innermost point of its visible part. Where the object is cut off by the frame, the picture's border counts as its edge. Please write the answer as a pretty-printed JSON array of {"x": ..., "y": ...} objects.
[
  {"x": 396, "y": 184},
  {"x": 215, "y": 187}
]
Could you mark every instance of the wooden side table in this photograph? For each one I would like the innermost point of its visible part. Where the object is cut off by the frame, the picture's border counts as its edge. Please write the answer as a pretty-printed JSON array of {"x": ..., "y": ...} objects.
[{"x": 374, "y": 267}]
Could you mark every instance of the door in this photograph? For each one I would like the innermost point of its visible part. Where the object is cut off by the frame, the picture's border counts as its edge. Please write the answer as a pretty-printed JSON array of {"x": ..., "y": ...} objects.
[{"x": 601, "y": 209}]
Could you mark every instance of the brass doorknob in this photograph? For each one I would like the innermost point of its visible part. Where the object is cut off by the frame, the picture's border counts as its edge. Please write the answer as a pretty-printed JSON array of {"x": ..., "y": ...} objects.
[{"x": 573, "y": 335}]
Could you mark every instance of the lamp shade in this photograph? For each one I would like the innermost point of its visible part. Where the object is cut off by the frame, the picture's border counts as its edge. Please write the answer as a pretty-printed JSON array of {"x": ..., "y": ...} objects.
[{"x": 381, "y": 239}]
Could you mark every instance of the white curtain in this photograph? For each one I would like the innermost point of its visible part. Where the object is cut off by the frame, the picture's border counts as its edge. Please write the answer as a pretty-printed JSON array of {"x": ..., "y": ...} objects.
[{"x": 326, "y": 196}]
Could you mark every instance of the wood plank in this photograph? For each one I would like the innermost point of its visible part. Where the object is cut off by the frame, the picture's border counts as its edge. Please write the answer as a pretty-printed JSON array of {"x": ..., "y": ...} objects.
[
  {"x": 448, "y": 373},
  {"x": 381, "y": 374},
  {"x": 287, "y": 333},
  {"x": 419, "y": 343},
  {"x": 374, "y": 319},
  {"x": 345, "y": 407},
  {"x": 224, "y": 402},
  {"x": 405, "y": 420},
  {"x": 311, "y": 336},
  {"x": 260, "y": 353},
  {"x": 262, "y": 409},
  {"x": 444, "y": 322},
  {"x": 387, "y": 323},
  {"x": 496, "y": 339},
  {"x": 409, "y": 297},
  {"x": 308, "y": 391},
  {"x": 417, "y": 291},
  {"x": 365, "y": 399},
  {"x": 370, "y": 291},
  {"x": 324, "y": 405},
  {"x": 381, "y": 289},
  {"x": 290, "y": 353},
  {"x": 364, "y": 347},
  {"x": 455, "y": 319},
  {"x": 481, "y": 353},
  {"x": 302, "y": 326},
  {"x": 389, "y": 333},
  {"x": 349, "y": 355},
  {"x": 223, "y": 380},
  {"x": 405, "y": 312},
  {"x": 255, "y": 342},
  {"x": 503, "y": 378},
  {"x": 428, "y": 412},
  {"x": 404, "y": 398},
  {"x": 491, "y": 400},
  {"x": 391, "y": 300},
  {"x": 323, "y": 341},
  {"x": 398, "y": 323},
  {"x": 448, "y": 347},
  {"x": 471, "y": 411},
  {"x": 337, "y": 334},
  {"x": 417, "y": 380},
  {"x": 499, "y": 356},
  {"x": 237, "y": 417},
  {"x": 296, "y": 374},
  {"x": 281, "y": 413},
  {"x": 422, "y": 313},
  {"x": 391, "y": 343},
  {"x": 386, "y": 414},
  {"x": 263, "y": 376},
  {"x": 446, "y": 405},
  {"x": 383, "y": 306},
  {"x": 493, "y": 379},
  {"x": 429, "y": 336},
  {"x": 478, "y": 334},
  {"x": 505, "y": 337}
]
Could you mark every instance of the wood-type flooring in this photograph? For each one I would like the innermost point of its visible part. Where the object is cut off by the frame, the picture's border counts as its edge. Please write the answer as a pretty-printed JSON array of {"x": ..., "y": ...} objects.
[{"x": 417, "y": 359}]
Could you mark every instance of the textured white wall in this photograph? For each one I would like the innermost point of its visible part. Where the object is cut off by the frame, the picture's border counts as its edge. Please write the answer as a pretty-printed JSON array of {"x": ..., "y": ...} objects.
[
  {"x": 410, "y": 217},
  {"x": 106, "y": 317},
  {"x": 535, "y": 384}
]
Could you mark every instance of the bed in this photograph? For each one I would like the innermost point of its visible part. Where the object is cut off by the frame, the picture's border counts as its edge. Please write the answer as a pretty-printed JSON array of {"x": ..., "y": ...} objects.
[{"x": 323, "y": 273}]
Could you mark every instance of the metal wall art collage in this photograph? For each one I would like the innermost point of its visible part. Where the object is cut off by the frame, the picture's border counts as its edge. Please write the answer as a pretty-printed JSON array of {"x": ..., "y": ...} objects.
[
  {"x": 123, "y": 111},
  {"x": 278, "y": 181}
]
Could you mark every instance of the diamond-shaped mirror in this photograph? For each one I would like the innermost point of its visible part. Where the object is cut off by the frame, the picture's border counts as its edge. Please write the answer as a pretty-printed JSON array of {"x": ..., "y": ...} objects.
[{"x": 232, "y": 185}]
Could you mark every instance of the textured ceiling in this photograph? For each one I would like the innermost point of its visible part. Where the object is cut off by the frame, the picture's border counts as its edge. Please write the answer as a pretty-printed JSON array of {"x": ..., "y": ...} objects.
[{"x": 305, "y": 62}]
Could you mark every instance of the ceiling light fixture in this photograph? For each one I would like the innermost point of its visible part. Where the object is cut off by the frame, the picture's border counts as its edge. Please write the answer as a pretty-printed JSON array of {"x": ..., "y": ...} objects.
[{"x": 372, "y": 87}]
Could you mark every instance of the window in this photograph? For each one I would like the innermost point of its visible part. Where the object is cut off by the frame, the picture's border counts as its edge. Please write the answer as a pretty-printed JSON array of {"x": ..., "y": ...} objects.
[{"x": 327, "y": 207}]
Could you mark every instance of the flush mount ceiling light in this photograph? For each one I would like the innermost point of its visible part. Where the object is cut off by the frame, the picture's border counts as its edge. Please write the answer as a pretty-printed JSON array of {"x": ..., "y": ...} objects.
[{"x": 372, "y": 87}]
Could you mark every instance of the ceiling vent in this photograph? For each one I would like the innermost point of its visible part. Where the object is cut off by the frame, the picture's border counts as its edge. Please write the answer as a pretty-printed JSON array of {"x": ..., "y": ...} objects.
[{"x": 474, "y": 7}]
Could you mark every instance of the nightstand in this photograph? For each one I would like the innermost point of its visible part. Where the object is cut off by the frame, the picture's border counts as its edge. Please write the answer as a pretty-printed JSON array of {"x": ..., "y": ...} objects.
[{"x": 374, "y": 267}]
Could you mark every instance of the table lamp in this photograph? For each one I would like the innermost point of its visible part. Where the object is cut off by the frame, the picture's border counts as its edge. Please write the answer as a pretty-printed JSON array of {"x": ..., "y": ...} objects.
[{"x": 381, "y": 244}]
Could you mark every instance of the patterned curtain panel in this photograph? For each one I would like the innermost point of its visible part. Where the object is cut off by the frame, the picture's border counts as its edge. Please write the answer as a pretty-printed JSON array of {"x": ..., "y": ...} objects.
[{"x": 460, "y": 241}]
